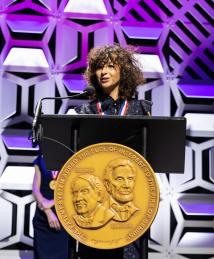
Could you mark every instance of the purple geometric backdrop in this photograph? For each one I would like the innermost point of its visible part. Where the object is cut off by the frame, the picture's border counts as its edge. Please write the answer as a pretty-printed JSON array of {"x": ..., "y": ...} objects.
[{"x": 43, "y": 49}]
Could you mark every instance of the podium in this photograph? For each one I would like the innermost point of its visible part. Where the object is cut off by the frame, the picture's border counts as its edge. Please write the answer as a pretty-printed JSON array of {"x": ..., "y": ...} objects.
[{"x": 161, "y": 140}]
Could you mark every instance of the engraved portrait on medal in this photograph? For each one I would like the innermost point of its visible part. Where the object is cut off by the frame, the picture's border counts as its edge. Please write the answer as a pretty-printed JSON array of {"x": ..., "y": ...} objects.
[
  {"x": 119, "y": 180},
  {"x": 88, "y": 198},
  {"x": 106, "y": 195}
]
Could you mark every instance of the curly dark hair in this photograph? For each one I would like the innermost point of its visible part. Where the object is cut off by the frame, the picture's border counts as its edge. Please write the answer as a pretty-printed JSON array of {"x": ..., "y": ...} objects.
[{"x": 131, "y": 74}]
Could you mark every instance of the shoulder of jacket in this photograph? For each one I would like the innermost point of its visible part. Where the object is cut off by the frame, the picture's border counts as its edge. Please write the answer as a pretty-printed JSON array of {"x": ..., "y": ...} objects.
[
  {"x": 144, "y": 104},
  {"x": 140, "y": 102},
  {"x": 147, "y": 106},
  {"x": 85, "y": 108}
]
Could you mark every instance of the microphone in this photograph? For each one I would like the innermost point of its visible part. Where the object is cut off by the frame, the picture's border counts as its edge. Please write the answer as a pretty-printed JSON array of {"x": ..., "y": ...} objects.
[
  {"x": 88, "y": 91},
  {"x": 37, "y": 112}
]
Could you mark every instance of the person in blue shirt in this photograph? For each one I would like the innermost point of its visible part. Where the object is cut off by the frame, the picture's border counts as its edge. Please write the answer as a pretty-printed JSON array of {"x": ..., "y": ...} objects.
[{"x": 50, "y": 238}]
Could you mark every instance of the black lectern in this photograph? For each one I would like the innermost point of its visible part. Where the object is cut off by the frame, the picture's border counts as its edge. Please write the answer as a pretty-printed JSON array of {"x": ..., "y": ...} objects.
[{"x": 161, "y": 140}]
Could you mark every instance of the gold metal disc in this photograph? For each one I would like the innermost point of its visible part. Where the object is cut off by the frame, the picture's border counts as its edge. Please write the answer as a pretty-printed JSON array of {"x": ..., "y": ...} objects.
[
  {"x": 106, "y": 195},
  {"x": 52, "y": 184}
]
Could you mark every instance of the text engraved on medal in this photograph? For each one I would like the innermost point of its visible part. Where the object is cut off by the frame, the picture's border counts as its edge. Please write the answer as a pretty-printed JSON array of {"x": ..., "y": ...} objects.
[{"x": 106, "y": 195}]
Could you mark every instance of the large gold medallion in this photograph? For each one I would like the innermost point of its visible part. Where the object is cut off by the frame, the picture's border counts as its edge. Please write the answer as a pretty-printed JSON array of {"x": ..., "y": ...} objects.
[{"x": 106, "y": 195}]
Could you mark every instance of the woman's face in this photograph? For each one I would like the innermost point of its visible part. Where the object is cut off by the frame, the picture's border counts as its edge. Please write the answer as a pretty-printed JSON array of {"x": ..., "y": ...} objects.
[{"x": 108, "y": 77}]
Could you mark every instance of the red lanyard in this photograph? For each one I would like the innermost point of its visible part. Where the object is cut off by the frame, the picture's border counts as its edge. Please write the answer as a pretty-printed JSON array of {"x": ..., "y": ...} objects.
[{"x": 122, "y": 111}]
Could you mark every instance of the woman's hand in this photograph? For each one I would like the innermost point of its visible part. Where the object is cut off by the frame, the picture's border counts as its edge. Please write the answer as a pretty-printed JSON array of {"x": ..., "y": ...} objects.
[
  {"x": 45, "y": 204},
  {"x": 52, "y": 219},
  {"x": 42, "y": 202}
]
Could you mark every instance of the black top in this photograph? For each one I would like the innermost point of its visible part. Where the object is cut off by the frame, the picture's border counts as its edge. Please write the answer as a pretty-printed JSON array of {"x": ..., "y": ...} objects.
[
  {"x": 111, "y": 107},
  {"x": 46, "y": 177}
]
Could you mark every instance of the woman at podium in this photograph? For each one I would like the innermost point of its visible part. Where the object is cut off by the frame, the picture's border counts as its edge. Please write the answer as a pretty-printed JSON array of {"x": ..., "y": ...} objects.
[{"x": 114, "y": 73}]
